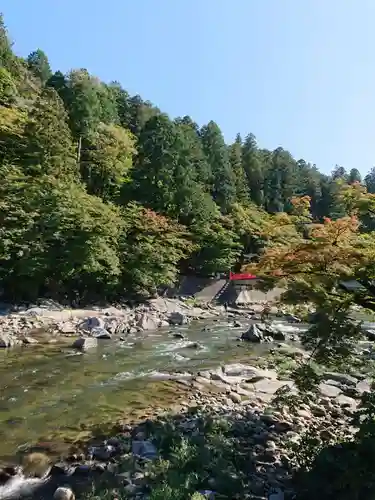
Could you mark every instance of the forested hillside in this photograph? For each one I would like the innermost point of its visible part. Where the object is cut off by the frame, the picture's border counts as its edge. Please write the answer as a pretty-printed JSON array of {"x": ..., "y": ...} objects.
[{"x": 102, "y": 194}]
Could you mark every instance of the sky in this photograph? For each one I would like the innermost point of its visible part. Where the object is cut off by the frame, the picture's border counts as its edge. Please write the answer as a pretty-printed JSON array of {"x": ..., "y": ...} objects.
[{"x": 296, "y": 73}]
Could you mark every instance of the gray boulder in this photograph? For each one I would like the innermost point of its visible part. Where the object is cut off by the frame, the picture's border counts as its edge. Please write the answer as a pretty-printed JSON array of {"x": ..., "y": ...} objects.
[
  {"x": 253, "y": 334},
  {"x": 147, "y": 322},
  {"x": 6, "y": 340},
  {"x": 92, "y": 322},
  {"x": 177, "y": 318},
  {"x": 84, "y": 343},
  {"x": 100, "y": 333}
]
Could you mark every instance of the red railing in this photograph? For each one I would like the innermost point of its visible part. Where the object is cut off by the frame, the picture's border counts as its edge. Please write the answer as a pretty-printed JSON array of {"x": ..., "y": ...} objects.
[{"x": 241, "y": 276}]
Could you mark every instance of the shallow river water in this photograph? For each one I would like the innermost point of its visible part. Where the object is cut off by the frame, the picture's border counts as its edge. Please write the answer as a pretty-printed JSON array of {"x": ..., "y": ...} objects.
[{"x": 52, "y": 393}]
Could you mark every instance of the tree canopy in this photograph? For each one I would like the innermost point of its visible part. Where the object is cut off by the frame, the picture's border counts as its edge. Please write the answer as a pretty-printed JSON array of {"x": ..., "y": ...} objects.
[{"x": 136, "y": 197}]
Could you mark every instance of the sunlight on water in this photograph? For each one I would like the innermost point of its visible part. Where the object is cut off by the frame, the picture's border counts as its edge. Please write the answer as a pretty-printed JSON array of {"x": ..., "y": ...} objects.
[{"x": 54, "y": 393}]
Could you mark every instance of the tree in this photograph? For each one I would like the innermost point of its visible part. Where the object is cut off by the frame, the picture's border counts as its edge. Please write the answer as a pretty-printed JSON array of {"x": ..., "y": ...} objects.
[
  {"x": 49, "y": 148},
  {"x": 311, "y": 270},
  {"x": 7, "y": 58},
  {"x": 55, "y": 239},
  {"x": 253, "y": 168},
  {"x": 83, "y": 103},
  {"x": 106, "y": 161},
  {"x": 370, "y": 181},
  {"x": 193, "y": 148},
  {"x": 217, "y": 248},
  {"x": 235, "y": 158},
  {"x": 215, "y": 149},
  {"x": 158, "y": 156},
  {"x": 8, "y": 89},
  {"x": 38, "y": 64},
  {"x": 151, "y": 247},
  {"x": 354, "y": 176}
]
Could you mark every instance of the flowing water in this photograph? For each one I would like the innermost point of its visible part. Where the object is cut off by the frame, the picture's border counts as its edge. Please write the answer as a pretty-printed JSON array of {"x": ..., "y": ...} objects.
[{"x": 55, "y": 394}]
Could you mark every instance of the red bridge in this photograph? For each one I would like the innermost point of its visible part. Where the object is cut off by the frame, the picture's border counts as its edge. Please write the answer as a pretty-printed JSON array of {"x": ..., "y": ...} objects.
[{"x": 241, "y": 276}]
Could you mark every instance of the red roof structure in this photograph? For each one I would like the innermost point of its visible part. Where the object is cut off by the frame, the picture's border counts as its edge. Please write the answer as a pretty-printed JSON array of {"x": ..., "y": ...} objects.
[{"x": 241, "y": 276}]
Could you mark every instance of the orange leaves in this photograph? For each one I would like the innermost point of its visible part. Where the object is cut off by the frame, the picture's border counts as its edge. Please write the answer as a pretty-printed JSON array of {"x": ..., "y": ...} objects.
[
  {"x": 333, "y": 249},
  {"x": 333, "y": 232},
  {"x": 301, "y": 205}
]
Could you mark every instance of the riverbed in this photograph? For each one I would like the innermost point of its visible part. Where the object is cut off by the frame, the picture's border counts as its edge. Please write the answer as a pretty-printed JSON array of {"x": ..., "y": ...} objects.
[{"x": 54, "y": 394}]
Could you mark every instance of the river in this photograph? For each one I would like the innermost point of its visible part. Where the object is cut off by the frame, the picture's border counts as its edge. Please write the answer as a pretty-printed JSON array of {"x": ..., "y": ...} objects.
[{"x": 54, "y": 394}]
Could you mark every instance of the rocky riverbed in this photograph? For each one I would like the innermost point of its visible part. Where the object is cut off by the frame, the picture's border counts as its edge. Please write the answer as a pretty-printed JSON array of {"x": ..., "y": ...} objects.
[
  {"x": 225, "y": 415},
  {"x": 210, "y": 407},
  {"x": 52, "y": 323}
]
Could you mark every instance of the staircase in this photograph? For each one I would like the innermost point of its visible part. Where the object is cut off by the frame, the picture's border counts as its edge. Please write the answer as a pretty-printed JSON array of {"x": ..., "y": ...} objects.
[
  {"x": 210, "y": 292},
  {"x": 222, "y": 290}
]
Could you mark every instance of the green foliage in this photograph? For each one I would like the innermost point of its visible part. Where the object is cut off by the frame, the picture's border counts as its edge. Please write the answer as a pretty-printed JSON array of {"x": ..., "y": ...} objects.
[
  {"x": 218, "y": 248},
  {"x": 55, "y": 238},
  {"x": 214, "y": 205},
  {"x": 49, "y": 148},
  {"x": 223, "y": 181},
  {"x": 38, "y": 64},
  {"x": 106, "y": 161},
  {"x": 8, "y": 89},
  {"x": 151, "y": 247}
]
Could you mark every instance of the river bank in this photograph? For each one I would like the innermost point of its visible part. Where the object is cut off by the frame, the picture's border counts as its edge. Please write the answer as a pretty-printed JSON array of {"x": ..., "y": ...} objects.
[
  {"x": 224, "y": 433},
  {"x": 56, "y": 399},
  {"x": 51, "y": 323}
]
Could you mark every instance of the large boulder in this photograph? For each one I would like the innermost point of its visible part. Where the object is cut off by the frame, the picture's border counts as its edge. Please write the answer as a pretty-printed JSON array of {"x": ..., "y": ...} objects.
[
  {"x": 6, "y": 340},
  {"x": 100, "y": 333},
  {"x": 253, "y": 334},
  {"x": 92, "y": 322},
  {"x": 177, "y": 318},
  {"x": 148, "y": 322},
  {"x": 84, "y": 343}
]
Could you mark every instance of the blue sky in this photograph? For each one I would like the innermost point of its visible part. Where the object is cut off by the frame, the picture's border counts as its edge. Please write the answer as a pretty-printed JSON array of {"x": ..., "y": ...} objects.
[{"x": 296, "y": 73}]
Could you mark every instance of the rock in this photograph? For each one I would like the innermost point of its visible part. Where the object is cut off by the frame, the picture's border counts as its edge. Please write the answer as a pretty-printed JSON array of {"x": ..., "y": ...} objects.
[
  {"x": 194, "y": 345},
  {"x": 178, "y": 335},
  {"x": 144, "y": 449},
  {"x": 63, "y": 493},
  {"x": 84, "y": 343},
  {"x": 236, "y": 398},
  {"x": 36, "y": 465},
  {"x": 29, "y": 340},
  {"x": 329, "y": 390},
  {"x": 177, "y": 318},
  {"x": 100, "y": 333},
  {"x": 147, "y": 322},
  {"x": 247, "y": 372},
  {"x": 364, "y": 386},
  {"x": 292, "y": 319},
  {"x": 6, "y": 340},
  {"x": 92, "y": 322},
  {"x": 341, "y": 378},
  {"x": 237, "y": 324},
  {"x": 270, "y": 386},
  {"x": 370, "y": 334},
  {"x": 346, "y": 402},
  {"x": 253, "y": 334}
]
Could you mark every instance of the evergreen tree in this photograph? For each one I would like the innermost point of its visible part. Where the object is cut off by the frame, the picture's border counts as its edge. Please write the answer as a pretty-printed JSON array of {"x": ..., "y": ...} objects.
[
  {"x": 254, "y": 170},
  {"x": 38, "y": 64},
  {"x": 235, "y": 158},
  {"x": 354, "y": 176},
  {"x": 370, "y": 181},
  {"x": 216, "y": 151}
]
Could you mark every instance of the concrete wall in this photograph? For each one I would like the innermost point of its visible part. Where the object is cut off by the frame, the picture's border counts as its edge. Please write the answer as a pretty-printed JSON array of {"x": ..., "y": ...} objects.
[{"x": 208, "y": 289}]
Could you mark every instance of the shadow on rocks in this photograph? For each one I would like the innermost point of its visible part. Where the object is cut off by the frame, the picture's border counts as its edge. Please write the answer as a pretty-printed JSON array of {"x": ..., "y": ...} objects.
[{"x": 234, "y": 452}]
